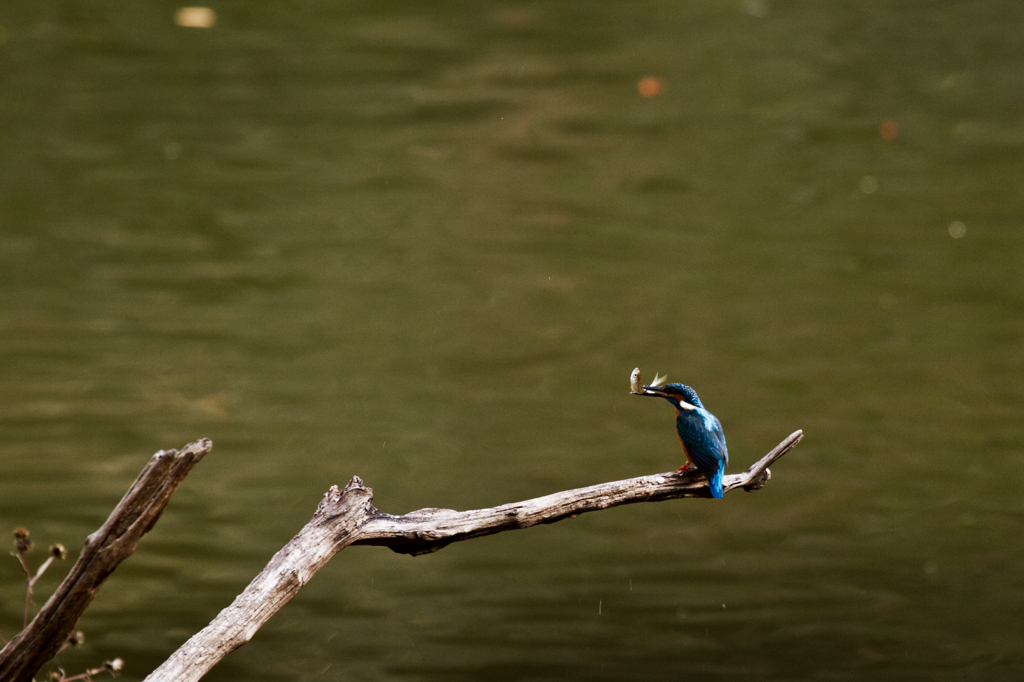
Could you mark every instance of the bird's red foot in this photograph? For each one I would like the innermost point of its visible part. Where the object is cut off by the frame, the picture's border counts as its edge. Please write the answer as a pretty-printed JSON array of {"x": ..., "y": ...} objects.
[{"x": 684, "y": 467}]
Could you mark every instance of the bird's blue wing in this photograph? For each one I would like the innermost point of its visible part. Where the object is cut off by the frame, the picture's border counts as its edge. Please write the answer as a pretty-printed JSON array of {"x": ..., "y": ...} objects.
[{"x": 704, "y": 441}]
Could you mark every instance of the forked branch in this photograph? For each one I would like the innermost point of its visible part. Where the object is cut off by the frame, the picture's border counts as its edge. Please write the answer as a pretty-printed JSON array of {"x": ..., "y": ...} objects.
[
  {"x": 344, "y": 517},
  {"x": 348, "y": 517}
]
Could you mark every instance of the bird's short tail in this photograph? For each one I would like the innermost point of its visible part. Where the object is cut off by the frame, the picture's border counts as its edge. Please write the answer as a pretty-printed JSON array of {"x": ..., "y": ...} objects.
[{"x": 715, "y": 483}]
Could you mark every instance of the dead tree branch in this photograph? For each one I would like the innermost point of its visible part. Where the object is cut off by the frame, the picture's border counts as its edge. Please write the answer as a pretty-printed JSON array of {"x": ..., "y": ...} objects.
[
  {"x": 134, "y": 516},
  {"x": 348, "y": 517}
]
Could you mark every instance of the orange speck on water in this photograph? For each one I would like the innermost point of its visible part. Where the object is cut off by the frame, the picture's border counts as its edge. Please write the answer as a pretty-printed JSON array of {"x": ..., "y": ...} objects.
[
  {"x": 889, "y": 130},
  {"x": 649, "y": 86}
]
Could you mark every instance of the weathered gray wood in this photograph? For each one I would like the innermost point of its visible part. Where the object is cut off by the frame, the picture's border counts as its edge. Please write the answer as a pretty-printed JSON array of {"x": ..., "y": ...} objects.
[
  {"x": 428, "y": 530},
  {"x": 348, "y": 517},
  {"x": 337, "y": 518},
  {"x": 138, "y": 511}
]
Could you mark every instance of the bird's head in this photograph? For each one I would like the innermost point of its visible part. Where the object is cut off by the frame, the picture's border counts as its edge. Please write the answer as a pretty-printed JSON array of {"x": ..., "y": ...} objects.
[{"x": 680, "y": 395}]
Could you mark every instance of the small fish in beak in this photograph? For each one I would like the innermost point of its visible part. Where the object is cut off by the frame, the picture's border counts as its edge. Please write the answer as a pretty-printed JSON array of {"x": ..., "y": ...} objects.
[
  {"x": 636, "y": 386},
  {"x": 634, "y": 383}
]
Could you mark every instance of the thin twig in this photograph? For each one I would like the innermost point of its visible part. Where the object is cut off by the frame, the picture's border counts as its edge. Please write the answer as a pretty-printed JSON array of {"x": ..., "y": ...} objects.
[{"x": 113, "y": 667}]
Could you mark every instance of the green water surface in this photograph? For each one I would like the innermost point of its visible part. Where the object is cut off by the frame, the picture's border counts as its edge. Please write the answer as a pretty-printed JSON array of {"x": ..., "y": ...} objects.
[{"x": 426, "y": 243}]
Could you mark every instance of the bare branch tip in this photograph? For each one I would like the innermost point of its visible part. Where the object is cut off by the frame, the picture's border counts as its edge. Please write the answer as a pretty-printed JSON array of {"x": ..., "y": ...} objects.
[
  {"x": 356, "y": 484},
  {"x": 203, "y": 444},
  {"x": 197, "y": 448}
]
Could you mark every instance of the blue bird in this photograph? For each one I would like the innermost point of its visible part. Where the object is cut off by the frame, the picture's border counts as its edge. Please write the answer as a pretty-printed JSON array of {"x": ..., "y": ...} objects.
[{"x": 700, "y": 432}]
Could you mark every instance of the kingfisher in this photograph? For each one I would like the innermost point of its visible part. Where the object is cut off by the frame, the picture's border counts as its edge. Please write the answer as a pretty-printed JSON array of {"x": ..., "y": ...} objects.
[{"x": 700, "y": 432}]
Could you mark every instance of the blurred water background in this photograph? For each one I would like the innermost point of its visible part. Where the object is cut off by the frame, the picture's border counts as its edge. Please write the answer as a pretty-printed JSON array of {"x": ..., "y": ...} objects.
[{"x": 426, "y": 243}]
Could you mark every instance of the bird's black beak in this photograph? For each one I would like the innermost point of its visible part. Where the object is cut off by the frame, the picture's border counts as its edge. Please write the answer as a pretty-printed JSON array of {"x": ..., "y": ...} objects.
[{"x": 654, "y": 391}]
